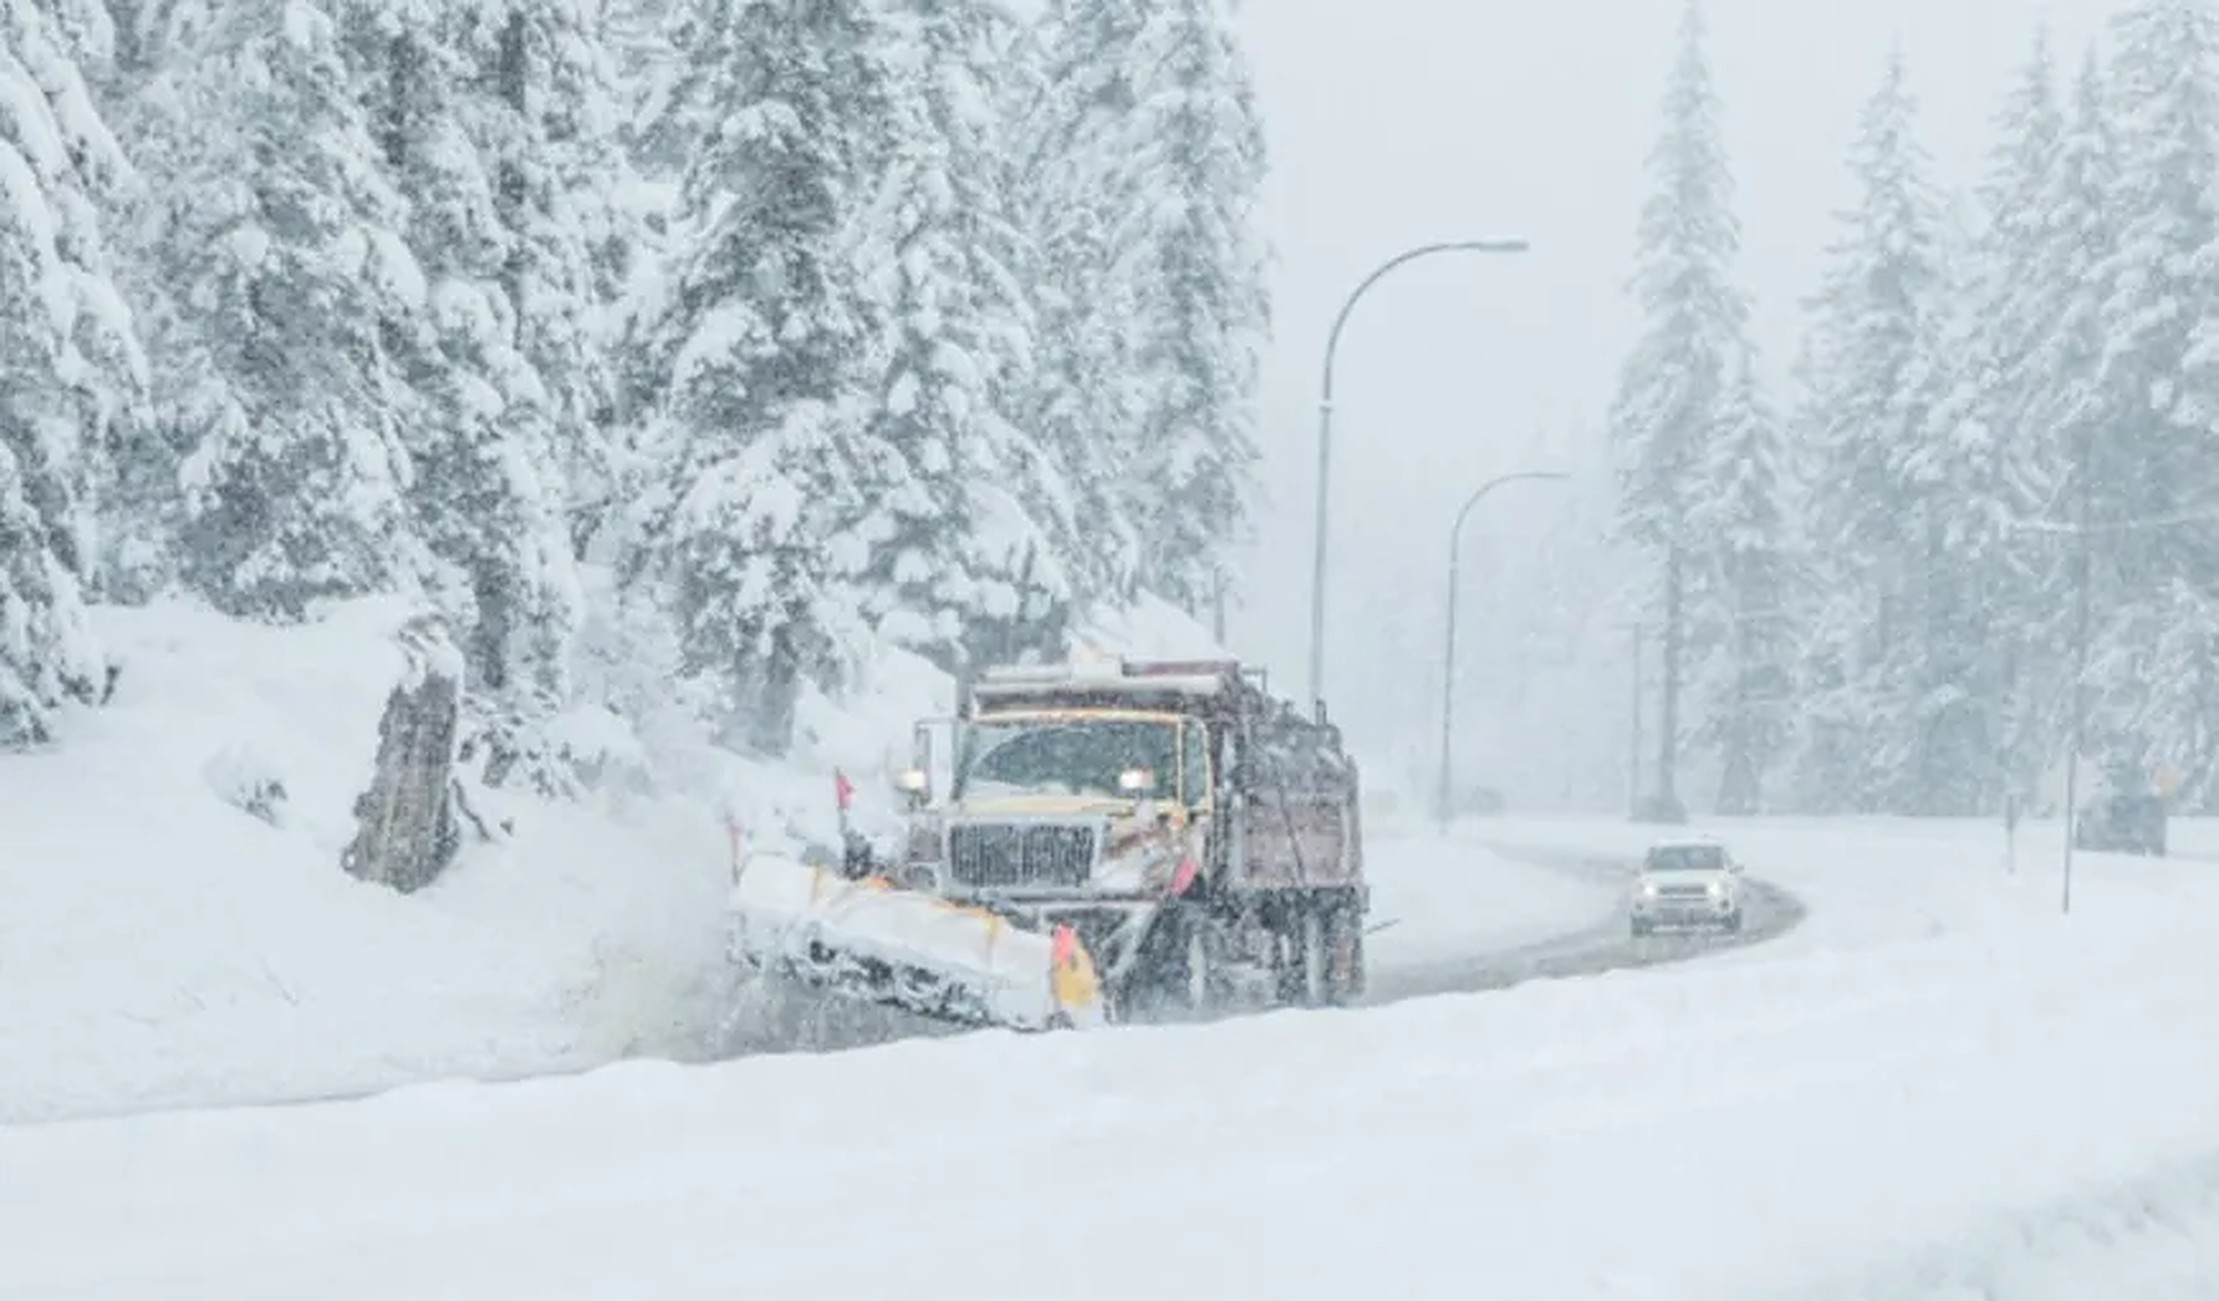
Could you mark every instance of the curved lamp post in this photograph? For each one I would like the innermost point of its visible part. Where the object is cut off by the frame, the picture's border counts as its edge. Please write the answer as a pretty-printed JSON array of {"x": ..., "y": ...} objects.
[
  {"x": 1325, "y": 428},
  {"x": 1448, "y": 655}
]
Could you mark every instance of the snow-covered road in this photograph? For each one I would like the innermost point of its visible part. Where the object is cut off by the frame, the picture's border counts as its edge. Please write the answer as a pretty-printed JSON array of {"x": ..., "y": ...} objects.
[
  {"x": 1581, "y": 932},
  {"x": 1972, "y": 1097}
]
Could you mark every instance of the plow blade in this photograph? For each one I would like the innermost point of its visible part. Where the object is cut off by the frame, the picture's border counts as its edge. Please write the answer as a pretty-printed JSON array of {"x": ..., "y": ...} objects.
[{"x": 873, "y": 941}]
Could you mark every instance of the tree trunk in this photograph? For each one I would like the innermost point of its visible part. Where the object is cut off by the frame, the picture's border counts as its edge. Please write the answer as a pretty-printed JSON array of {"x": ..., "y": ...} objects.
[
  {"x": 1668, "y": 804},
  {"x": 1738, "y": 781},
  {"x": 406, "y": 832}
]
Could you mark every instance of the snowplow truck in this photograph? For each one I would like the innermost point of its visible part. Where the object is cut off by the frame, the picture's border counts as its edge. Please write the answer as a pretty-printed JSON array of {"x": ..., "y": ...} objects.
[{"x": 1105, "y": 841}]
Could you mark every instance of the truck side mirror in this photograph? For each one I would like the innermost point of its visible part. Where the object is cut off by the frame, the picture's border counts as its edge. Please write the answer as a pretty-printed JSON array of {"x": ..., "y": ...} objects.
[{"x": 915, "y": 783}]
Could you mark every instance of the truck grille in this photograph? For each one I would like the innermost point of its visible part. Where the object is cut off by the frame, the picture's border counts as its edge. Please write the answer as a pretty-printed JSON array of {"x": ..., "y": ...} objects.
[
  {"x": 1683, "y": 891},
  {"x": 1045, "y": 855}
]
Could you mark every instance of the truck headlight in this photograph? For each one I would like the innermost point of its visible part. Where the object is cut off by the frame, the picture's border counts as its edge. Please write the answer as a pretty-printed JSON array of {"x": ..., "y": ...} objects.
[{"x": 1718, "y": 889}]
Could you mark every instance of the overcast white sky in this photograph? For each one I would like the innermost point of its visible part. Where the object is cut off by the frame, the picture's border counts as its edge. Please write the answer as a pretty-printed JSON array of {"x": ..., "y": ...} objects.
[{"x": 1394, "y": 122}]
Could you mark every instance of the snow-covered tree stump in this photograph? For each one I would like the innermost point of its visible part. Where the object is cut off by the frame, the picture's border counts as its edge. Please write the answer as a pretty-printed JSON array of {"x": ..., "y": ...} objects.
[{"x": 407, "y": 831}]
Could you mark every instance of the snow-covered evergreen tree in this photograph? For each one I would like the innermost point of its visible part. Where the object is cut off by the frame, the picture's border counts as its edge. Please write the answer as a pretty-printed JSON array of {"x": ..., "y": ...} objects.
[
  {"x": 2151, "y": 459},
  {"x": 971, "y": 505},
  {"x": 500, "y": 122},
  {"x": 272, "y": 264},
  {"x": 70, "y": 364},
  {"x": 1079, "y": 397},
  {"x": 2068, "y": 411},
  {"x": 1673, "y": 400},
  {"x": 763, "y": 351},
  {"x": 553, "y": 132},
  {"x": 1742, "y": 622},
  {"x": 1194, "y": 161},
  {"x": 1869, "y": 368},
  {"x": 1981, "y": 460}
]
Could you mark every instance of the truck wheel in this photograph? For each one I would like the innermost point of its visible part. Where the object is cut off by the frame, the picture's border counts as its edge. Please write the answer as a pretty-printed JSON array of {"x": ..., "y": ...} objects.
[
  {"x": 1345, "y": 933},
  {"x": 1184, "y": 977},
  {"x": 1315, "y": 954},
  {"x": 1198, "y": 990}
]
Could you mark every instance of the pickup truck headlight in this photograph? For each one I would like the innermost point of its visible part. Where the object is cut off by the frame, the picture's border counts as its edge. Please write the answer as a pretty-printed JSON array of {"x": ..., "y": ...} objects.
[{"x": 1718, "y": 889}]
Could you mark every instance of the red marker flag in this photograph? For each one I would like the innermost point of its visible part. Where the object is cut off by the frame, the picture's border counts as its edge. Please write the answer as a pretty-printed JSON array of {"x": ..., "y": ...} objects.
[{"x": 843, "y": 790}]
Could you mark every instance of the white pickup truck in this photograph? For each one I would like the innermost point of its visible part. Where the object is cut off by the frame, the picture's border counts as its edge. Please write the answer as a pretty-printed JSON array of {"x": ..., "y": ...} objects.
[{"x": 1686, "y": 883}]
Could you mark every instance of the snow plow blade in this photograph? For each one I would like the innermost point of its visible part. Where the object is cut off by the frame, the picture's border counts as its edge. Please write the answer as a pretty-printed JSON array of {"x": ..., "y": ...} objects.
[{"x": 873, "y": 941}]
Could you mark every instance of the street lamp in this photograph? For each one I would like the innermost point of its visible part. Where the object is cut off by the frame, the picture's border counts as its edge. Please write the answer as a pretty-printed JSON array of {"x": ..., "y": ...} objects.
[
  {"x": 1325, "y": 428},
  {"x": 1448, "y": 655}
]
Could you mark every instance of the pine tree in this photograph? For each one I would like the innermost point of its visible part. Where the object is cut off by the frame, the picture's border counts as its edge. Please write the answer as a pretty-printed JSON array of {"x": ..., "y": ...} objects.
[
  {"x": 553, "y": 132},
  {"x": 1194, "y": 156},
  {"x": 2068, "y": 408},
  {"x": 1078, "y": 396},
  {"x": 1869, "y": 370},
  {"x": 273, "y": 259},
  {"x": 761, "y": 354},
  {"x": 1673, "y": 400},
  {"x": 70, "y": 364},
  {"x": 965, "y": 570},
  {"x": 1743, "y": 622},
  {"x": 1980, "y": 457},
  {"x": 496, "y": 119},
  {"x": 2151, "y": 461}
]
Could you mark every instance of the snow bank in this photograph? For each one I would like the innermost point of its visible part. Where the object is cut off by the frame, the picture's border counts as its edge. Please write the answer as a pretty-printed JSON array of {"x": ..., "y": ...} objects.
[
  {"x": 1798, "y": 1126},
  {"x": 160, "y": 944}
]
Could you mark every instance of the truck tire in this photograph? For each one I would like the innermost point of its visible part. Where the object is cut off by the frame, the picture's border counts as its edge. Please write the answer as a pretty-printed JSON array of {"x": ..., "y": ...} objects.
[
  {"x": 1180, "y": 975},
  {"x": 1345, "y": 942},
  {"x": 1308, "y": 962},
  {"x": 1201, "y": 985},
  {"x": 1328, "y": 958}
]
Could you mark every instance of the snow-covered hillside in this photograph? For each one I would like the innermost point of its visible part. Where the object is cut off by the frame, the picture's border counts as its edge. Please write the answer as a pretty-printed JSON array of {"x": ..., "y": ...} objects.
[
  {"x": 158, "y": 945},
  {"x": 1996, "y": 1105}
]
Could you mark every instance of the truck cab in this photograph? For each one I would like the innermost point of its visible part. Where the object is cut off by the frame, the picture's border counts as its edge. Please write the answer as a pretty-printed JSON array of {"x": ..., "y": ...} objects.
[{"x": 1155, "y": 808}]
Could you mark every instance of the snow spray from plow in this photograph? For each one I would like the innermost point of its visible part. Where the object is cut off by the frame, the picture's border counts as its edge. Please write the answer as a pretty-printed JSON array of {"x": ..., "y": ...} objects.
[{"x": 872, "y": 941}]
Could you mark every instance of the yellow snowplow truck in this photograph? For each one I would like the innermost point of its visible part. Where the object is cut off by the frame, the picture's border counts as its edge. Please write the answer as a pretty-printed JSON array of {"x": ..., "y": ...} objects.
[{"x": 1094, "y": 842}]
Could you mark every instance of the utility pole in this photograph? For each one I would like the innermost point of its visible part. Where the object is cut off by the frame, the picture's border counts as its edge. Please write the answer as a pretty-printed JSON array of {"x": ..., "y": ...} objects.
[{"x": 2084, "y": 491}]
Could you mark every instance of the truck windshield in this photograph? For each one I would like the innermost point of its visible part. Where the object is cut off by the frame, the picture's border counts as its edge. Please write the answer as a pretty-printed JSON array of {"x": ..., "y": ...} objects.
[
  {"x": 1686, "y": 858},
  {"x": 1066, "y": 757}
]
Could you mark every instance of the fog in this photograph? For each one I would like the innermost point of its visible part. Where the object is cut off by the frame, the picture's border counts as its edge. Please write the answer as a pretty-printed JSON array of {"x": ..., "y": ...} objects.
[{"x": 1396, "y": 122}]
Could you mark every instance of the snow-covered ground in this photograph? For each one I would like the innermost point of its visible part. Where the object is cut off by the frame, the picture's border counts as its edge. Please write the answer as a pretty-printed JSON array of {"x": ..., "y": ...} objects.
[
  {"x": 1983, "y": 1100},
  {"x": 161, "y": 947},
  {"x": 1936, "y": 1086}
]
